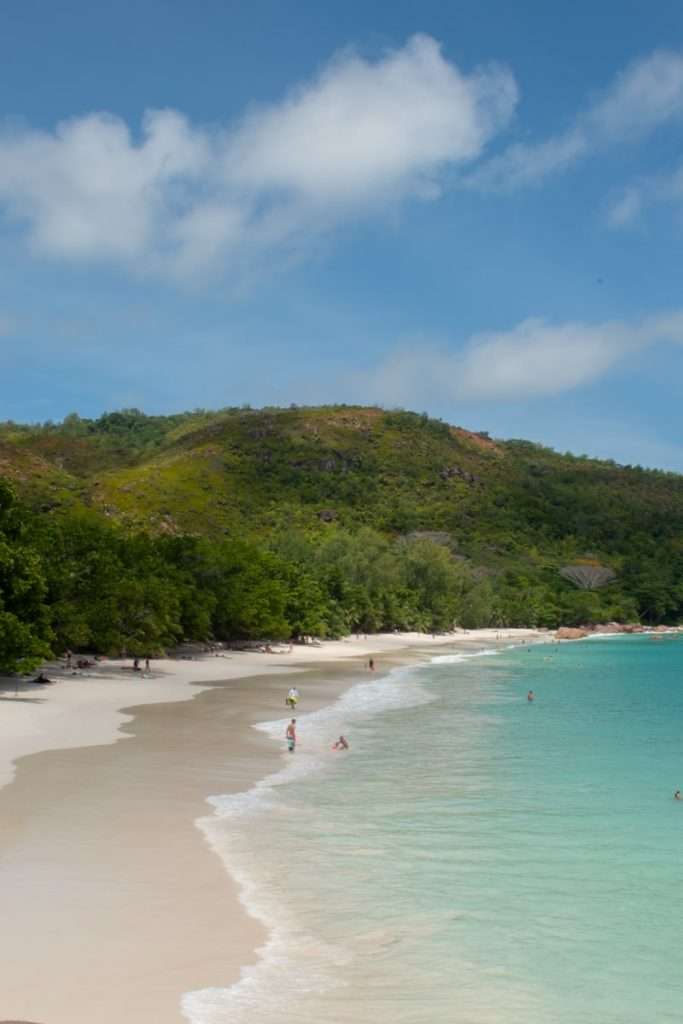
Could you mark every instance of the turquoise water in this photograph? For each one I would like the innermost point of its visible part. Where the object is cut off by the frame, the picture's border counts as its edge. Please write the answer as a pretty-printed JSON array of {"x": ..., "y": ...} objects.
[{"x": 474, "y": 858}]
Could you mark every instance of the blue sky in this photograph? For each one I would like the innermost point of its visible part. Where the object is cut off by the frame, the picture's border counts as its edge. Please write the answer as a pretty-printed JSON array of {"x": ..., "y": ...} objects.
[{"x": 471, "y": 209}]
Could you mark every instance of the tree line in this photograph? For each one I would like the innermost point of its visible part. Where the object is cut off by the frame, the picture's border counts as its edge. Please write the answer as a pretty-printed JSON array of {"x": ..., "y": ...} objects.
[{"x": 76, "y": 580}]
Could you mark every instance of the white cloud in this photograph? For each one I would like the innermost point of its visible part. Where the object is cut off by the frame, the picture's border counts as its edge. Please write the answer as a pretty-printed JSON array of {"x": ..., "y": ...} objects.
[
  {"x": 361, "y": 129},
  {"x": 183, "y": 199},
  {"x": 646, "y": 192},
  {"x": 522, "y": 164},
  {"x": 88, "y": 190},
  {"x": 647, "y": 94},
  {"x": 535, "y": 359},
  {"x": 625, "y": 208}
]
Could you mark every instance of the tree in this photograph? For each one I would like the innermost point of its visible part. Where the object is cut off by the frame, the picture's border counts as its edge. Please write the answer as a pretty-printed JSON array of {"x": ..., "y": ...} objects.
[
  {"x": 588, "y": 576},
  {"x": 250, "y": 593},
  {"x": 438, "y": 582},
  {"x": 25, "y": 633}
]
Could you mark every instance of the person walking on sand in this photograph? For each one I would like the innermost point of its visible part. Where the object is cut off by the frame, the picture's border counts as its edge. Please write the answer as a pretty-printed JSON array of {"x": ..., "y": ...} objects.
[
  {"x": 292, "y": 698},
  {"x": 291, "y": 736}
]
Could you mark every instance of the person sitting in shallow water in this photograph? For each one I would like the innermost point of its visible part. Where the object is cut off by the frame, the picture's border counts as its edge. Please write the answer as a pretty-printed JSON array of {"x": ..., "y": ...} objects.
[{"x": 341, "y": 744}]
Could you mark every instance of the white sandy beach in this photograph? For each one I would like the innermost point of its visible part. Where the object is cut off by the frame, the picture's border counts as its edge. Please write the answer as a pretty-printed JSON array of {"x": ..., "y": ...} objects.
[{"x": 114, "y": 904}]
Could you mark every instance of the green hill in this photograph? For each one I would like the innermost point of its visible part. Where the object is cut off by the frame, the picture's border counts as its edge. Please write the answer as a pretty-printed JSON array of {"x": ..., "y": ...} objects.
[
  {"x": 262, "y": 470},
  {"x": 508, "y": 513}
]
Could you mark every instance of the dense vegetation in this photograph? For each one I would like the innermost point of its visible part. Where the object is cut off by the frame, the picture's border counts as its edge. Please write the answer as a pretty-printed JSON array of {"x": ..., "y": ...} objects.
[{"x": 132, "y": 532}]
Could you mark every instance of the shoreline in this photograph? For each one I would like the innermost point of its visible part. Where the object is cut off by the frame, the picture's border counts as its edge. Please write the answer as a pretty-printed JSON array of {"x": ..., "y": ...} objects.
[
  {"x": 56, "y": 747},
  {"x": 43, "y": 714}
]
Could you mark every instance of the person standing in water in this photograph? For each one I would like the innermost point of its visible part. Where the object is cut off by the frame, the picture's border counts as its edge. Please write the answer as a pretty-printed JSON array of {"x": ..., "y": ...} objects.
[
  {"x": 530, "y": 696},
  {"x": 371, "y": 664},
  {"x": 291, "y": 736},
  {"x": 677, "y": 795}
]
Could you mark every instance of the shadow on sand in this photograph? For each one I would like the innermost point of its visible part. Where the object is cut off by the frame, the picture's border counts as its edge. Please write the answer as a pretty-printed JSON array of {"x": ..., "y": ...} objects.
[
  {"x": 19, "y": 700},
  {"x": 16, "y": 686}
]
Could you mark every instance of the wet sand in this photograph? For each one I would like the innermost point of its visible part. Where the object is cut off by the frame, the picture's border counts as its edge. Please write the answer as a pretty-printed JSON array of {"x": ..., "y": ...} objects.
[{"x": 114, "y": 904}]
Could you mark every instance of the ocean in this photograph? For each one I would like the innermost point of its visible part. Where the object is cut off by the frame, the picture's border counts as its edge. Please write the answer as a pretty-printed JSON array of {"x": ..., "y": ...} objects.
[{"x": 473, "y": 858}]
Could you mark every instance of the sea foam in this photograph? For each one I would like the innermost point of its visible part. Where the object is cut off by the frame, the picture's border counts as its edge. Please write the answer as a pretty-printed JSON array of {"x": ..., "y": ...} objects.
[
  {"x": 291, "y": 961},
  {"x": 454, "y": 659}
]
